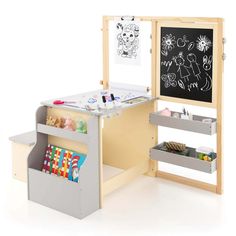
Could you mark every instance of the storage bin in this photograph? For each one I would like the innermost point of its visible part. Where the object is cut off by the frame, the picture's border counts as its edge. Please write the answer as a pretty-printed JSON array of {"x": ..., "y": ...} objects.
[
  {"x": 63, "y": 195},
  {"x": 191, "y": 161},
  {"x": 21, "y": 147},
  {"x": 194, "y": 125}
]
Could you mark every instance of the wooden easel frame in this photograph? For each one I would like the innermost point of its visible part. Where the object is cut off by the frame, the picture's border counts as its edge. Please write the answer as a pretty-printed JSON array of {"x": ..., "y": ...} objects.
[{"x": 217, "y": 25}]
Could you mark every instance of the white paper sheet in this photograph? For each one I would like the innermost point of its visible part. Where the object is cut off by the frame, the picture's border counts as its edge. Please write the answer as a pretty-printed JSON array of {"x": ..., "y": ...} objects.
[{"x": 127, "y": 41}]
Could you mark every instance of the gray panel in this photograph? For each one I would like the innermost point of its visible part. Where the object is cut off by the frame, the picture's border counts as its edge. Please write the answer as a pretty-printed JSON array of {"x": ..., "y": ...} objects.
[
  {"x": 195, "y": 125},
  {"x": 35, "y": 158},
  {"x": 25, "y": 138},
  {"x": 62, "y": 133},
  {"x": 186, "y": 161},
  {"x": 90, "y": 171},
  {"x": 55, "y": 192}
]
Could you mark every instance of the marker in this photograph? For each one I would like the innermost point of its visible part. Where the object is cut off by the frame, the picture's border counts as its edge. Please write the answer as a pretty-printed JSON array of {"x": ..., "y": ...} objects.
[
  {"x": 104, "y": 100},
  {"x": 113, "y": 99}
]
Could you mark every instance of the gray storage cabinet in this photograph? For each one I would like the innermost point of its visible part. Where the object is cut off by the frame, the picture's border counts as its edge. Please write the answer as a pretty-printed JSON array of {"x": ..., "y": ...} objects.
[{"x": 75, "y": 199}]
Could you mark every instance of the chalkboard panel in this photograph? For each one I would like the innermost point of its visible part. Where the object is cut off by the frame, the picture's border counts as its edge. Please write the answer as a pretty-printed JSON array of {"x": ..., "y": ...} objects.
[{"x": 186, "y": 62}]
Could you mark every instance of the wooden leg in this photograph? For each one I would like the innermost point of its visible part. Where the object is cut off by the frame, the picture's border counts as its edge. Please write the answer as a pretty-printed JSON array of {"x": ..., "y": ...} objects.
[{"x": 152, "y": 168}]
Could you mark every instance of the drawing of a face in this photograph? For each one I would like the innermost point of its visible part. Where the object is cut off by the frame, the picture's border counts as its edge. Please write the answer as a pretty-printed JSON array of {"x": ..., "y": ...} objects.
[
  {"x": 179, "y": 60},
  {"x": 127, "y": 35},
  {"x": 191, "y": 57},
  {"x": 128, "y": 41}
]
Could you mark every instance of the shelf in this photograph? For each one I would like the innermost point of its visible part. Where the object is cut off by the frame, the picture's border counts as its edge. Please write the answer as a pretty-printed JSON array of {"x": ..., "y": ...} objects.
[
  {"x": 190, "y": 161},
  {"x": 62, "y": 133},
  {"x": 195, "y": 125}
]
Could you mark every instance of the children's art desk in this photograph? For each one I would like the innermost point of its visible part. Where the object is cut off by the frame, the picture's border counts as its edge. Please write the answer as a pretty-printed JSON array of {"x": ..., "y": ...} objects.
[
  {"x": 123, "y": 134},
  {"x": 104, "y": 143}
]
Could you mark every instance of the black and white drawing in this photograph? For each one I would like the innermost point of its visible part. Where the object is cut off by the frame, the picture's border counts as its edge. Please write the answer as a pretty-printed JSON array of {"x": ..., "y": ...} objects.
[
  {"x": 194, "y": 65},
  {"x": 207, "y": 62},
  {"x": 127, "y": 41},
  {"x": 193, "y": 86},
  {"x": 169, "y": 80},
  {"x": 181, "y": 42},
  {"x": 186, "y": 63},
  {"x": 182, "y": 68},
  {"x": 168, "y": 43},
  {"x": 208, "y": 83},
  {"x": 191, "y": 46},
  {"x": 167, "y": 64},
  {"x": 164, "y": 53},
  {"x": 181, "y": 84},
  {"x": 203, "y": 43}
]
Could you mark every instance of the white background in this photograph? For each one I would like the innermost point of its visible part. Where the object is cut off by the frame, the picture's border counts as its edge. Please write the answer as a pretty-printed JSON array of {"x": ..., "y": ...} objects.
[{"x": 50, "y": 49}]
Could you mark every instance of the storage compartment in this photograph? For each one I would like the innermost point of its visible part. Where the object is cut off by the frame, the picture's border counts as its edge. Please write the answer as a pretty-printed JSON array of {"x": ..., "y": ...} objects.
[
  {"x": 190, "y": 161},
  {"x": 57, "y": 193},
  {"x": 194, "y": 125},
  {"x": 21, "y": 147},
  {"x": 76, "y": 199}
]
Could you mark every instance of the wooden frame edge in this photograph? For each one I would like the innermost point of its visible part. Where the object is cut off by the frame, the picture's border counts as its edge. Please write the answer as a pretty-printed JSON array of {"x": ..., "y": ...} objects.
[
  {"x": 153, "y": 164},
  {"x": 125, "y": 177},
  {"x": 173, "y": 18},
  {"x": 187, "y": 181},
  {"x": 219, "y": 139}
]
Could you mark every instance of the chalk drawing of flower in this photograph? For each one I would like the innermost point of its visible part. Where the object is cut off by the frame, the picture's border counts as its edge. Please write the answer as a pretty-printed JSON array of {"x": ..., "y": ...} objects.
[
  {"x": 203, "y": 43},
  {"x": 168, "y": 42}
]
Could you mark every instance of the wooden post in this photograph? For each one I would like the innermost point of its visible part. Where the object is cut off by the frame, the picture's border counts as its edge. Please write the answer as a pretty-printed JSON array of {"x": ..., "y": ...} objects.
[
  {"x": 105, "y": 30},
  {"x": 154, "y": 164},
  {"x": 219, "y": 141}
]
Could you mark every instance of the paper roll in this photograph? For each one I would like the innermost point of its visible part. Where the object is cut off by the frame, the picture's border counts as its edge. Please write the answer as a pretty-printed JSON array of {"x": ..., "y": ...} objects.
[{"x": 129, "y": 87}]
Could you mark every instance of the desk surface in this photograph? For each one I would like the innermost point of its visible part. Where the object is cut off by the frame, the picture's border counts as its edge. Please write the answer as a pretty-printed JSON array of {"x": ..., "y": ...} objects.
[{"x": 91, "y": 102}]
